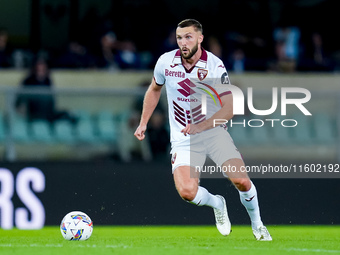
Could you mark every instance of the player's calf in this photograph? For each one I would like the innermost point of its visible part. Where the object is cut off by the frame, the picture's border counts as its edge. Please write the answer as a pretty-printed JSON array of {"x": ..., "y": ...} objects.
[
  {"x": 188, "y": 192},
  {"x": 186, "y": 185},
  {"x": 242, "y": 184}
]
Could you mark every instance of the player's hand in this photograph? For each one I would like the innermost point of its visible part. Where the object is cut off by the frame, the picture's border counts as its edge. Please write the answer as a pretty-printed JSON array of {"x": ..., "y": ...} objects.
[
  {"x": 186, "y": 130},
  {"x": 140, "y": 132},
  {"x": 191, "y": 129}
]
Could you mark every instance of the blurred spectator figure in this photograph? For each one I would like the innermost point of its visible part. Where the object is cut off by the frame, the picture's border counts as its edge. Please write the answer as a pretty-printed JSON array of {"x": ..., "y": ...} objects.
[
  {"x": 106, "y": 57},
  {"x": 245, "y": 51},
  {"x": 214, "y": 46},
  {"x": 158, "y": 134},
  {"x": 19, "y": 57},
  {"x": 76, "y": 56},
  {"x": 314, "y": 57},
  {"x": 318, "y": 49},
  {"x": 40, "y": 106},
  {"x": 169, "y": 44},
  {"x": 114, "y": 54},
  {"x": 5, "y": 52},
  {"x": 286, "y": 48},
  {"x": 127, "y": 56},
  {"x": 238, "y": 61}
]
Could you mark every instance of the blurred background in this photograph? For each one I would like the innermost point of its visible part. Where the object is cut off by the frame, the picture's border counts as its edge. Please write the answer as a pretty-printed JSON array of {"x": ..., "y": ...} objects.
[
  {"x": 97, "y": 58},
  {"x": 73, "y": 74}
]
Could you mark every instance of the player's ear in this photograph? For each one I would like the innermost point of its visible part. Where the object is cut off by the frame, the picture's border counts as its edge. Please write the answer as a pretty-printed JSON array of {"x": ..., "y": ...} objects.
[{"x": 200, "y": 38}]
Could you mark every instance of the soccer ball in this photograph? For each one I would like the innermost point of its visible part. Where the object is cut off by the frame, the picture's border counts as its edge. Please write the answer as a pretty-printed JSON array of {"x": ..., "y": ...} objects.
[{"x": 76, "y": 226}]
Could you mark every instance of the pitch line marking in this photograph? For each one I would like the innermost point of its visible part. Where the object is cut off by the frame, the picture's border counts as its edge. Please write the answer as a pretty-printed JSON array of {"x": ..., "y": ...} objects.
[
  {"x": 291, "y": 249},
  {"x": 8, "y": 245},
  {"x": 34, "y": 245}
]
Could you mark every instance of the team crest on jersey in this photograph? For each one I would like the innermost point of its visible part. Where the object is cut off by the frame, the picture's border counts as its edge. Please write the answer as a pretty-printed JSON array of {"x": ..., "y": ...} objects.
[
  {"x": 202, "y": 73},
  {"x": 173, "y": 158}
]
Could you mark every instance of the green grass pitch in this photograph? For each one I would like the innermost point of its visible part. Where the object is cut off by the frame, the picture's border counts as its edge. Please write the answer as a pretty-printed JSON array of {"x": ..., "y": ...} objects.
[{"x": 173, "y": 240}]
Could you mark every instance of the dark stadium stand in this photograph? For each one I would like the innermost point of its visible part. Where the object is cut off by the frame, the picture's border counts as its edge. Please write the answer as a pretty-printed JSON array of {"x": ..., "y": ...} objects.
[{"x": 104, "y": 126}]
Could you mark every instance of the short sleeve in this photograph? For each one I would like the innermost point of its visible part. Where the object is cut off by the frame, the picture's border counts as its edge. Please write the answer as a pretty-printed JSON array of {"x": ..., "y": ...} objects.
[
  {"x": 158, "y": 73},
  {"x": 222, "y": 80},
  {"x": 222, "y": 73}
]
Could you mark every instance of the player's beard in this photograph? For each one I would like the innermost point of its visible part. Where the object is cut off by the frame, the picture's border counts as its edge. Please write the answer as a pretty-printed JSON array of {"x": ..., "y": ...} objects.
[{"x": 191, "y": 52}]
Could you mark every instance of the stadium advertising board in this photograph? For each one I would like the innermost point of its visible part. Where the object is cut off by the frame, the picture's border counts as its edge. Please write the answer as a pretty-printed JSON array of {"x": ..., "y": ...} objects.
[
  {"x": 33, "y": 195},
  {"x": 26, "y": 184}
]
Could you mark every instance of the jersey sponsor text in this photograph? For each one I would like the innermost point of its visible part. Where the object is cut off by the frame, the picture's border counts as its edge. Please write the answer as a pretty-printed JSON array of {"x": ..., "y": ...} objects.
[{"x": 174, "y": 73}]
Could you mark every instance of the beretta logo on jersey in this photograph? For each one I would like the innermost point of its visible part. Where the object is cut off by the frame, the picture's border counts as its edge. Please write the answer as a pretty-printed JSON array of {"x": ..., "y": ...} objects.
[
  {"x": 201, "y": 74},
  {"x": 178, "y": 74}
]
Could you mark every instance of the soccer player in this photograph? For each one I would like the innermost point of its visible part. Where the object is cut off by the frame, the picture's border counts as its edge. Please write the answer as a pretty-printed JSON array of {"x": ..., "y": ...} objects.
[{"x": 175, "y": 70}]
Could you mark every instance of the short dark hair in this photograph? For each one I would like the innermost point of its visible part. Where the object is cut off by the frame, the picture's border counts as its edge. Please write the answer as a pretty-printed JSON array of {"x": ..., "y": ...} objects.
[{"x": 189, "y": 23}]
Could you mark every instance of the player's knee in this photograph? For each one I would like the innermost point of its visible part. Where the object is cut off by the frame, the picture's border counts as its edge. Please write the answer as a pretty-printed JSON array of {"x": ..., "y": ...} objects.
[
  {"x": 187, "y": 193},
  {"x": 242, "y": 184}
]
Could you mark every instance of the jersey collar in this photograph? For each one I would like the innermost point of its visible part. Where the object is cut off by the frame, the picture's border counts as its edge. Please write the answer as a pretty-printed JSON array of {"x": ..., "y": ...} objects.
[{"x": 202, "y": 62}]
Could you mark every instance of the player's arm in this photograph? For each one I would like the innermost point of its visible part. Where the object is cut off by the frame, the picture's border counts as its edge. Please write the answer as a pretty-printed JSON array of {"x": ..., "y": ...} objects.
[
  {"x": 226, "y": 113},
  {"x": 151, "y": 100}
]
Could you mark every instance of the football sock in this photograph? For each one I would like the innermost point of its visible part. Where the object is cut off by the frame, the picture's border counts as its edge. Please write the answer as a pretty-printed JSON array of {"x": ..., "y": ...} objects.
[
  {"x": 250, "y": 202},
  {"x": 203, "y": 197}
]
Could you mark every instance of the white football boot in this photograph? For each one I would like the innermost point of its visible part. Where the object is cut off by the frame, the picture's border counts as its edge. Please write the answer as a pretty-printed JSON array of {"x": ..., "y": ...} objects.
[
  {"x": 262, "y": 234},
  {"x": 222, "y": 220}
]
